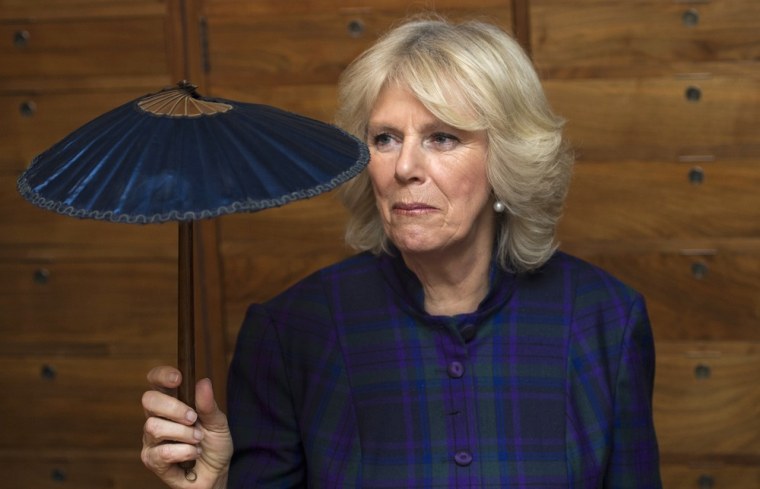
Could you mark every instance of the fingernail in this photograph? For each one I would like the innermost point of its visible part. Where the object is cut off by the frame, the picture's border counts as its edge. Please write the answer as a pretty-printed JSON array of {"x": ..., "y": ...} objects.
[
  {"x": 174, "y": 377},
  {"x": 198, "y": 434},
  {"x": 191, "y": 416}
]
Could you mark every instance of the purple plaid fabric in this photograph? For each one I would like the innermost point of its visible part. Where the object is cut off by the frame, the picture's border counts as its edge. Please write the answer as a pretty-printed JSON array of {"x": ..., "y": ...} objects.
[{"x": 344, "y": 381}]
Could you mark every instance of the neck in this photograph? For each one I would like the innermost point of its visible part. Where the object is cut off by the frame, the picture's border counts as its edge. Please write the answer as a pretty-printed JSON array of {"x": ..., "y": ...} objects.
[{"x": 452, "y": 285}]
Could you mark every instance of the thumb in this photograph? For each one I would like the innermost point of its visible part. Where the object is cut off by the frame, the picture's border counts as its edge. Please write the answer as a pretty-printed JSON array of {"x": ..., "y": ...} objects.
[{"x": 212, "y": 418}]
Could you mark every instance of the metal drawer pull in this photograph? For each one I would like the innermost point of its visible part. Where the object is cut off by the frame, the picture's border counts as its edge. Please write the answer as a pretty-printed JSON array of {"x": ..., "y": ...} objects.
[
  {"x": 690, "y": 18},
  {"x": 41, "y": 276},
  {"x": 702, "y": 372},
  {"x": 58, "y": 475},
  {"x": 48, "y": 372},
  {"x": 355, "y": 28},
  {"x": 27, "y": 108},
  {"x": 696, "y": 176},
  {"x": 706, "y": 482},
  {"x": 693, "y": 94},
  {"x": 699, "y": 270},
  {"x": 21, "y": 39}
]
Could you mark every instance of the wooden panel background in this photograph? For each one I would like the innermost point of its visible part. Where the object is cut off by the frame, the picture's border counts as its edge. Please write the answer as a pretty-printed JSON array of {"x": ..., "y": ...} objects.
[
  {"x": 662, "y": 103},
  {"x": 86, "y": 308}
]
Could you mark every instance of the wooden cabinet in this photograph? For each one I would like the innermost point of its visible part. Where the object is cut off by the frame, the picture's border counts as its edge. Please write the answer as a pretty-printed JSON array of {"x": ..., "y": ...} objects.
[
  {"x": 86, "y": 308},
  {"x": 662, "y": 101}
]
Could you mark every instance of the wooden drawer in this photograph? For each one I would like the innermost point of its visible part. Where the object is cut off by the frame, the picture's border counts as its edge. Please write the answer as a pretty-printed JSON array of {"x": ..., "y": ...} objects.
[
  {"x": 714, "y": 116},
  {"x": 640, "y": 37},
  {"x": 100, "y": 469},
  {"x": 265, "y": 252},
  {"x": 259, "y": 44},
  {"x": 627, "y": 200},
  {"x": 15, "y": 10},
  {"x": 714, "y": 474},
  {"x": 92, "y": 309},
  {"x": 111, "y": 48},
  {"x": 31, "y": 122},
  {"x": 694, "y": 290},
  {"x": 707, "y": 399},
  {"x": 78, "y": 403},
  {"x": 27, "y": 231}
]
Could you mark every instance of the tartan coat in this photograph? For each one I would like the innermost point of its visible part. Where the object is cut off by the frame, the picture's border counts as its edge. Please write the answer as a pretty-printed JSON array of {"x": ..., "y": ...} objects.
[{"x": 344, "y": 381}]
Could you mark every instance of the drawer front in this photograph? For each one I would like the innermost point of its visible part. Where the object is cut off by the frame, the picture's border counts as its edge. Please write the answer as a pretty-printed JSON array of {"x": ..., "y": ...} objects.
[
  {"x": 710, "y": 474},
  {"x": 14, "y": 10},
  {"x": 95, "y": 470},
  {"x": 88, "y": 308},
  {"x": 661, "y": 118},
  {"x": 625, "y": 200},
  {"x": 640, "y": 37},
  {"x": 256, "y": 45},
  {"x": 29, "y": 232},
  {"x": 698, "y": 293},
  {"x": 77, "y": 403},
  {"x": 707, "y": 399},
  {"x": 30, "y": 123},
  {"x": 106, "y": 47}
]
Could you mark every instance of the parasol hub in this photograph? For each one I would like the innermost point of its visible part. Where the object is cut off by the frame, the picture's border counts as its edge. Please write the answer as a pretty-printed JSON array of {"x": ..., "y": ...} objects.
[{"x": 181, "y": 101}]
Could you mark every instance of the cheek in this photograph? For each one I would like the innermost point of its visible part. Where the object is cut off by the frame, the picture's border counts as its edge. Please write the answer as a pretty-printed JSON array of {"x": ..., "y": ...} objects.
[{"x": 378, "y": 176}]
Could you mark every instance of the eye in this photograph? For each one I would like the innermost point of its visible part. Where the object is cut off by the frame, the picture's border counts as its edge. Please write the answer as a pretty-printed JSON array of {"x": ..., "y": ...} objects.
[
  {"x": 444, "y": 140},
  {"x": 381, "y": 140}
]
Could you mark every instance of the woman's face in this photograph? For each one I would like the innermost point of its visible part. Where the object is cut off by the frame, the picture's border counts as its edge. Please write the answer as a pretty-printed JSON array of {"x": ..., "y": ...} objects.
[{"x": 429, "y": 178}]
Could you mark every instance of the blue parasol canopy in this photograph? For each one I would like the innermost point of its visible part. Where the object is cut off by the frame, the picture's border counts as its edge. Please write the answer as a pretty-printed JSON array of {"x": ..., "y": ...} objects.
[{"x": 177, "y": 156}]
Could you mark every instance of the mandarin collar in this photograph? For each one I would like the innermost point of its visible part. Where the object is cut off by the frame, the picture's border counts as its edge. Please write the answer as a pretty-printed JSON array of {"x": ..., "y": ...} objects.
[{"x": 411, "y": 297}]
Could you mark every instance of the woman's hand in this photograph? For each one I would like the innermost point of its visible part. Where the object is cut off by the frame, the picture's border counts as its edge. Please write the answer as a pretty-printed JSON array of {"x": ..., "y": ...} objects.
[{"x": 175, "y": 433}]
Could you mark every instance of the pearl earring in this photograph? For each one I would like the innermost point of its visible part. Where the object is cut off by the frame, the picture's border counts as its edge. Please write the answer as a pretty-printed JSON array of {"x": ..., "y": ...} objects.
[{"x": 499, "y": 206}]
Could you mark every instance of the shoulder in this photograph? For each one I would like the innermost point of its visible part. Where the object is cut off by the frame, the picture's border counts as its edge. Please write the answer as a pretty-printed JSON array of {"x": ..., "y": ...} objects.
[
  {"x": 311, "y": 302},
  {"x": 599, "y": 308},
  {"x": 350, "y": 273},
  {"x": 587, "y": 283}
]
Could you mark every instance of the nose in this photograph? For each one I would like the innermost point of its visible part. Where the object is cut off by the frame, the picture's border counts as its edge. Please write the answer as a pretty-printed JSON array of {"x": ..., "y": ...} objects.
[{"x": 410, "y": 164}]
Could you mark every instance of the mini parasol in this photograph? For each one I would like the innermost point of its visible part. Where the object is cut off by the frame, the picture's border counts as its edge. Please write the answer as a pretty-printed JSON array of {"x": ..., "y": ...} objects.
[{"x": 177, "y": 156}]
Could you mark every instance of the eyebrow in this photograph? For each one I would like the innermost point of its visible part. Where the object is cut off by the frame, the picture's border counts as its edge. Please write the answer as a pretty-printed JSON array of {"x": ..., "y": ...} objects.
[{"x": 432, "y": 126}]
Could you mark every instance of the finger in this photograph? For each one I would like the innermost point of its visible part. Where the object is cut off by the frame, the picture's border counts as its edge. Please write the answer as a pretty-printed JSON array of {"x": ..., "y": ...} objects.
[
  {"x": 163, "y": 459},
  {"x": 164, "y": 406},
  {"x": 212, "y": 418},
  {"x": 157, "y": 431},
  {"x": 164, "y": 378}
]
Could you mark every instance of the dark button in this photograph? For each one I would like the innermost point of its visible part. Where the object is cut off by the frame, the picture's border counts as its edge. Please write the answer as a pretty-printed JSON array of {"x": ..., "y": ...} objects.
[
  {"x": 455, "y": 370},
  {"x": 463, "y": 458},
  {"x": 468, "y": 332}
]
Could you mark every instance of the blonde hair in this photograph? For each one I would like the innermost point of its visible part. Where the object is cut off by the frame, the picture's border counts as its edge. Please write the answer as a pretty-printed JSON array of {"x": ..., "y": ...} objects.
[{"x": 472, "y": 76}]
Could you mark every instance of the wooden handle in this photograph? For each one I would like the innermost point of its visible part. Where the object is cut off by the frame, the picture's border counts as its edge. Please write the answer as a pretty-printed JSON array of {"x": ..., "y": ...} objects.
[{"x": 186, "y": 322}]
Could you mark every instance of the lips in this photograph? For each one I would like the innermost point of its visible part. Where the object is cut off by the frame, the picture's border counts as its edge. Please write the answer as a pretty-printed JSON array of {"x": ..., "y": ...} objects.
[{"x": 412, "y": 207}]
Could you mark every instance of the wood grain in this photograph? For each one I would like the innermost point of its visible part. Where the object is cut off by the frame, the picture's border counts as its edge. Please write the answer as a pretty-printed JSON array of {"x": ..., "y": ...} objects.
[
  {"x": 707, "y": 400},
  {"x": 652, "y": 118},
  {"x": 88, "y": 308},
  {"x": 640, "y": 200},
  {"x": 591, "y": 38}
]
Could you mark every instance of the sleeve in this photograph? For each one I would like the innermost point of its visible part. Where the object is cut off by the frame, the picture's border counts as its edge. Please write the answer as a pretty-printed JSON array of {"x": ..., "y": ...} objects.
[
  {"x": 267, "y": 446},
  {"x": 634, "y": 459}
]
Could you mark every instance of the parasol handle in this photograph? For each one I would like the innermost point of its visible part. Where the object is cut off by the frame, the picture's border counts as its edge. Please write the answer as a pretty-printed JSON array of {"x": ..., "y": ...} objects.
[{"x": 186, "y": 325}]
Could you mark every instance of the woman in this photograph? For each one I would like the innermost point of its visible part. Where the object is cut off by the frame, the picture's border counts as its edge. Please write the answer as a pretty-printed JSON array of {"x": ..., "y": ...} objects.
[{"x": 459, "y": 348}]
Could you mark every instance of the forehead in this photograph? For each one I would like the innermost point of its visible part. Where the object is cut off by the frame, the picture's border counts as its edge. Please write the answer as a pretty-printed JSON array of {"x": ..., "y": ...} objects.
[{"x": 395, "y": 102}]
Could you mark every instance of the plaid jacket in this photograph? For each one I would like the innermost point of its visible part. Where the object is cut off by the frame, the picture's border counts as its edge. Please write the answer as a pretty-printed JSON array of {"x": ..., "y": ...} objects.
[{"x": 344, "y": 381}]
